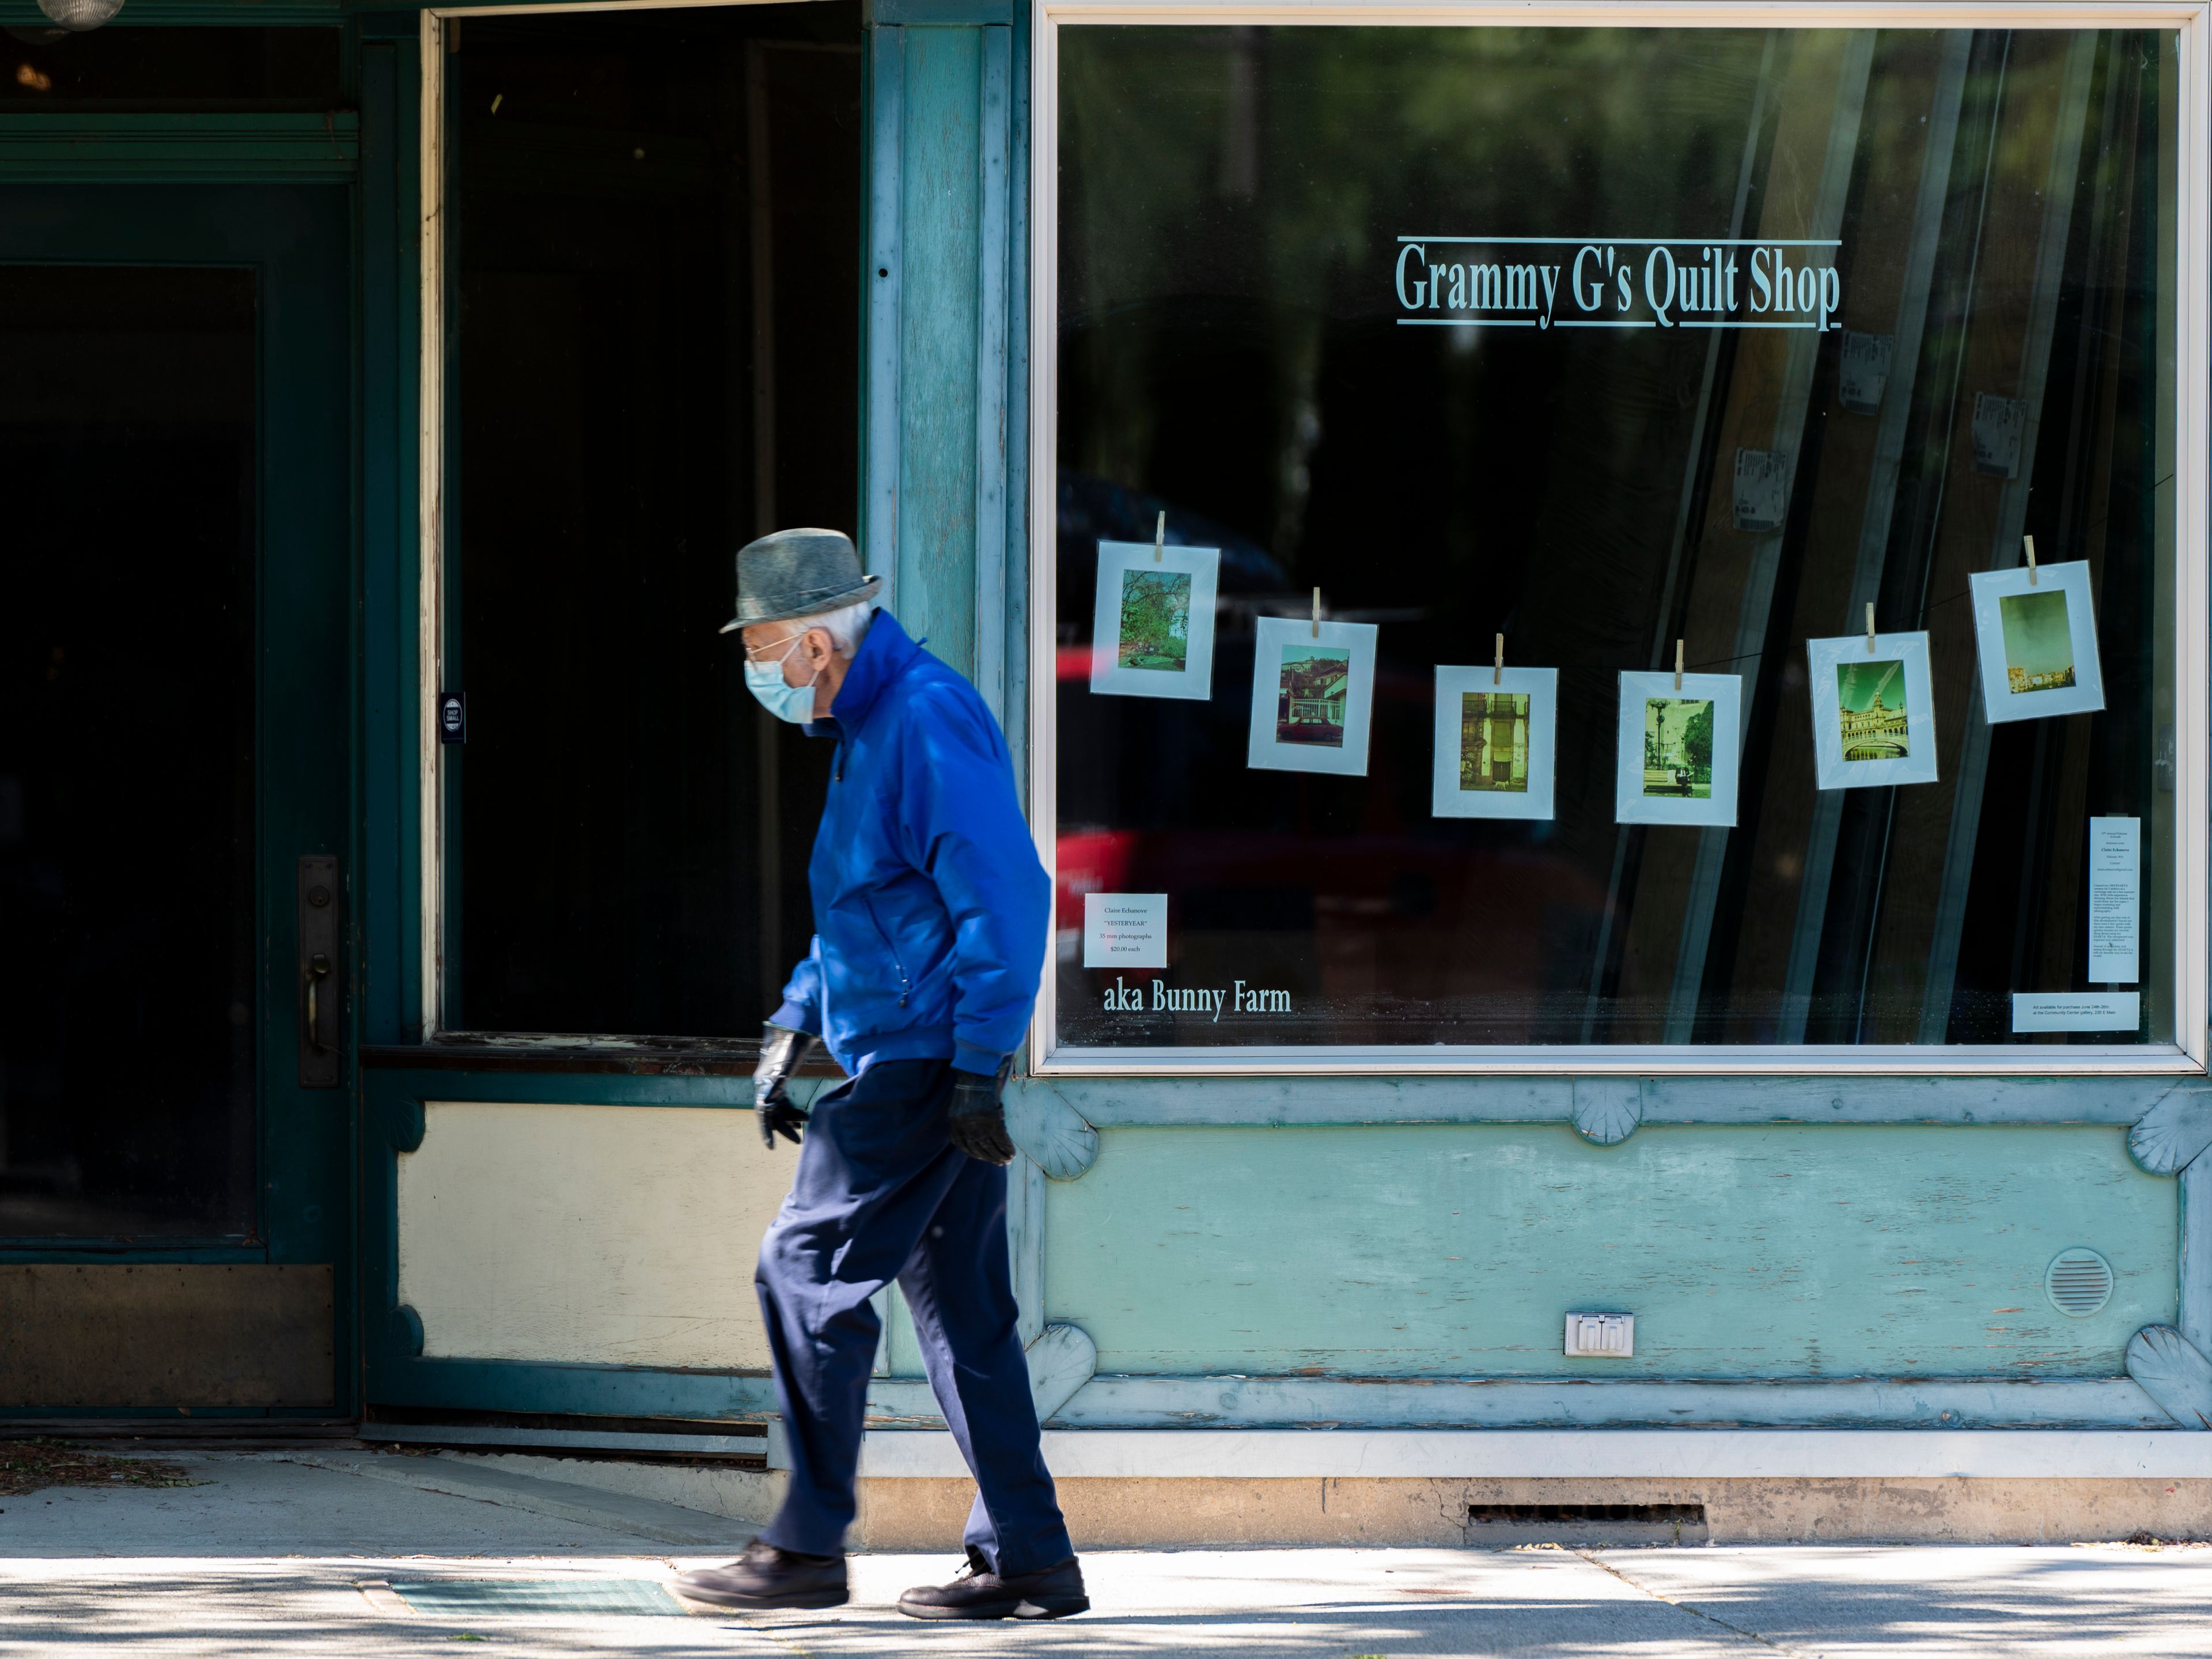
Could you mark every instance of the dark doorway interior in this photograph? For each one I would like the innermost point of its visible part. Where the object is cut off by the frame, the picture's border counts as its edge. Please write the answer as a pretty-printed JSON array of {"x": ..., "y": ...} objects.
[
  {"x": 655, "y": 223},
  {"x": 127, "y": 427}
]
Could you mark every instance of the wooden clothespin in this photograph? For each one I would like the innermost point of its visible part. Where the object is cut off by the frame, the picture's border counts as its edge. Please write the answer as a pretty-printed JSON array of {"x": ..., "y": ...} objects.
[
  {"x": 1678, "y": 664},
  {"x": 1498, "y": 672},
  {"x": 2029, "y": 543},
  {"x": 1316, "y": 613},
  {"x": 1869, "y": 627},
  {"x": 1160, "y": 536}
]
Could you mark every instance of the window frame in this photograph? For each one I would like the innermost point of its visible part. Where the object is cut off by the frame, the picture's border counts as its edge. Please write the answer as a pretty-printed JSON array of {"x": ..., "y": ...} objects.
[
  {"x": 432, "y": 462},
  {"x": 2188, "y": 525}
]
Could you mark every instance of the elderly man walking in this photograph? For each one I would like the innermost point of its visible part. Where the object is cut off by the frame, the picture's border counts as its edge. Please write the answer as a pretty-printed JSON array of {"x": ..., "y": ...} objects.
[{"x": 930, "y": 917}]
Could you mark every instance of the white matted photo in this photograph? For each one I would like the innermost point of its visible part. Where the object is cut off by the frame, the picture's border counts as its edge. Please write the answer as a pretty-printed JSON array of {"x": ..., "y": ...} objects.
[
  {"x": 1494, "y": 742},
  {"x": 1680, "y": 748},
  {"x": 2037, "y": 641},
  {"x": 1152, "y": 633},
  {"x": 1874, "y": 712},
  {"x": 1313, "y": 690}
]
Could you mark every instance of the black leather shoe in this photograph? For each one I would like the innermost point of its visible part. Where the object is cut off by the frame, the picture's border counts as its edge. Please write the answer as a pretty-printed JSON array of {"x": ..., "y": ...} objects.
[
  {"x": 979, "y": 1593},
  {"x": 765, "y": 1576}
]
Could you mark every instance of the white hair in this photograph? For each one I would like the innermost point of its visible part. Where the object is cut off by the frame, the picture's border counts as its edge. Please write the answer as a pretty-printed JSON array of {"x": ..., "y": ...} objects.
[{"x": 847, "y": 626}]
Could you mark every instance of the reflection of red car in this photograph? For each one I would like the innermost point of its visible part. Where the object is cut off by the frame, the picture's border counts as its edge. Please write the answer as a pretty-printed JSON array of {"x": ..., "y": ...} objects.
[
  {"x": 1388, "y": 916},
  {"x": 1092, "y": 861}
]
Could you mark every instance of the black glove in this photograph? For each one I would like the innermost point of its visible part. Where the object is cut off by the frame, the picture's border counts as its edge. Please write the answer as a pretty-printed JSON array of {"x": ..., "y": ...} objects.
[
  {"x": 977, "y": 1120},
  {"x": 781, "y": 1051}
]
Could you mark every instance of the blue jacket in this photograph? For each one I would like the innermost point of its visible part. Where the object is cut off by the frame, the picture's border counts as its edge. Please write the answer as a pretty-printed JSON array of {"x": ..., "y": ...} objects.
[{"x": 931, "y": 909}]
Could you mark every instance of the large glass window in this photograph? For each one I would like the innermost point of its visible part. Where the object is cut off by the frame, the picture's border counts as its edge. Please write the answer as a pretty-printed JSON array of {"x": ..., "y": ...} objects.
[
  {"x": 1761, "y": 355},
  {"x": 654, "y": 231}
]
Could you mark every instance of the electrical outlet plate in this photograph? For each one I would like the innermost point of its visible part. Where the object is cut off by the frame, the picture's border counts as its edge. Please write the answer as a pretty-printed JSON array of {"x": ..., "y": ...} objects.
[{"x": 1600, "y": 1336}]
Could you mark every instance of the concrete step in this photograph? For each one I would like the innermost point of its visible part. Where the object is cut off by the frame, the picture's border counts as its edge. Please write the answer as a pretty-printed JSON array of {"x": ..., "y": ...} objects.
[{"x": 592, "y": 1506}]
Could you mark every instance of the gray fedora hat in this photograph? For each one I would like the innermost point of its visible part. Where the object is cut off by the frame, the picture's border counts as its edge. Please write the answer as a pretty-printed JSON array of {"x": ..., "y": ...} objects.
[{"x": 798, "y": 573}]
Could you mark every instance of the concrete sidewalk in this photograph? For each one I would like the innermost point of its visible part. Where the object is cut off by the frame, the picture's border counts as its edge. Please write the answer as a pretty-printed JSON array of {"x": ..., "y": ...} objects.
[{"x": 345, "y": 1556}]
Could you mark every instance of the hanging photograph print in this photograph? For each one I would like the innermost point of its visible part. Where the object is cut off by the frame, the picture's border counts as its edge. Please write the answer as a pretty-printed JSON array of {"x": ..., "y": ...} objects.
[
  {"x": 1312, "y": 692},
  {"x": 1152, "y": 634},
  {"x": 1679, "y": 749},
  {"x": 1494, "y": 742},
  {"x": 2037, "y": 641},
  {"x": 1874, "y": 712}
]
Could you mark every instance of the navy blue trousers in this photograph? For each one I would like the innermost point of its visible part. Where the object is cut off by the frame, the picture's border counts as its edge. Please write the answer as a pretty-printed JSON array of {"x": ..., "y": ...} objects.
[{"x": 882, "y": 1194}]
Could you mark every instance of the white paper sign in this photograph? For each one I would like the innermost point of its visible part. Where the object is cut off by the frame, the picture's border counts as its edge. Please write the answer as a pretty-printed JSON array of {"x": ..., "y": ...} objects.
[
  {"x": 1998, "y": 423},
  {"x": 1124, "y": 930},
  {"x": 1863, "y": 373},
  {"x": 2115, "y": 899},
  {"x": 2077, "y": 1011},
  {"x": 1762, "y": 489}
]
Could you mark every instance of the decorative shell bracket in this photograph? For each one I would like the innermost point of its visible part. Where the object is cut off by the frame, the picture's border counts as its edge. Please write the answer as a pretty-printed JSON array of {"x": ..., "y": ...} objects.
[
  {"x": 1053, "y": 1133},
  {"x": 2167, "y": 1367},
  {"x": 2174, "y": 1133},
  {"x": 1607, "y": 1109}
]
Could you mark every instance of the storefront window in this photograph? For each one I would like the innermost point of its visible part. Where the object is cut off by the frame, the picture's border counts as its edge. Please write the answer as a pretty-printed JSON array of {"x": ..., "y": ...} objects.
[
  {"x": 1593, "y": 604},
  {"x": 654, "y": 228}
]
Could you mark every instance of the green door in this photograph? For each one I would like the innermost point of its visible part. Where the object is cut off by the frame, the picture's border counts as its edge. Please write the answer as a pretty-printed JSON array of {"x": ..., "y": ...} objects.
[{"x": 175, "y": 455}]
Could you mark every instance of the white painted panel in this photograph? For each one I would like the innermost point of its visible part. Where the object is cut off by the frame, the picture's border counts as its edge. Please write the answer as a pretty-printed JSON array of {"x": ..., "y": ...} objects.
[{"x": 616, "y": 1235}]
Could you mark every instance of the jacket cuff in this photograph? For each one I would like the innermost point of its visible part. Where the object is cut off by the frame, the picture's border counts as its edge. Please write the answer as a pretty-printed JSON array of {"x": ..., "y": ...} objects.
[
  {"x": 967, "y": 1057},
  {"x": 797, "y": 1018}
]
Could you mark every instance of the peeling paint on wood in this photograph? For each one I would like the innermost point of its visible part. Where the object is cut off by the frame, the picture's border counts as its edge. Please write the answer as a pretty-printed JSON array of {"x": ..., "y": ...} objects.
[{"x": 1456, "y": 1251}]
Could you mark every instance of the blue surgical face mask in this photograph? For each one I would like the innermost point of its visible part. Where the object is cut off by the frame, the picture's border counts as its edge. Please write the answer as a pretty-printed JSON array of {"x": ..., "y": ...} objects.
[{"x": 765, "y": 681}]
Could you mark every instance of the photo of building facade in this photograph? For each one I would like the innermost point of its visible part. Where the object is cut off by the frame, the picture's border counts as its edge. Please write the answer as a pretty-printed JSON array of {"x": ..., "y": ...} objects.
[
  {"x": 1314, "y": 681},
  {"x": 1871, "y": 710},
  {"x": 1494, "y": 745}
]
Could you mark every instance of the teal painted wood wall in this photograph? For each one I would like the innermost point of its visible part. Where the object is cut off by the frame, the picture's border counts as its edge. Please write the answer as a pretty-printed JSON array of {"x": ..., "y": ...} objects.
[
  {"x": 936, "y": 497},
  {"x": 1400, "y": 1250},
  {"x": 1223, "y": 1235}
]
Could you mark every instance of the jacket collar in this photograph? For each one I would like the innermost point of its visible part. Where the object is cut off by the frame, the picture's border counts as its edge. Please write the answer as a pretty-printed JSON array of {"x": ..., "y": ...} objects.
[{"x": 884, "y": 655}]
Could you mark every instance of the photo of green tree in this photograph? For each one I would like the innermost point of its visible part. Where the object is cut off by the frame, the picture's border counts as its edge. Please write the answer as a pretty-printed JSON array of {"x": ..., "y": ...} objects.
[
  {"x": 1155, "y": 620},
  {"x": 2039, "y": 641},
  {"x": 1678, "y": 747}
]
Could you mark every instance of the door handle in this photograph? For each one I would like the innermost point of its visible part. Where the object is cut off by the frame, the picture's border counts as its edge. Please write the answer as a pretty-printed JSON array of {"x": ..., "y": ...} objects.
[
  {"x": 318, "y": 969},
  {"x": 319, "y": 997}
]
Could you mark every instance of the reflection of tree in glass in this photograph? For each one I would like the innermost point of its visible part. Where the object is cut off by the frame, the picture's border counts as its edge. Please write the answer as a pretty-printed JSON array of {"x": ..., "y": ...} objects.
[
  {"x": 1155, "y": 619},
  {"x": 1272, "y": 170}
]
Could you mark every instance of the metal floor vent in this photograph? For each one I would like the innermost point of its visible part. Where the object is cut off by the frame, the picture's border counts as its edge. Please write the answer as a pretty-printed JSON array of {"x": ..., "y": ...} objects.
[
  {"x": 464, "y": 1598},
  {"x": 2078, "y": 1281},
  {"x": 1648, "y": 1514}
]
